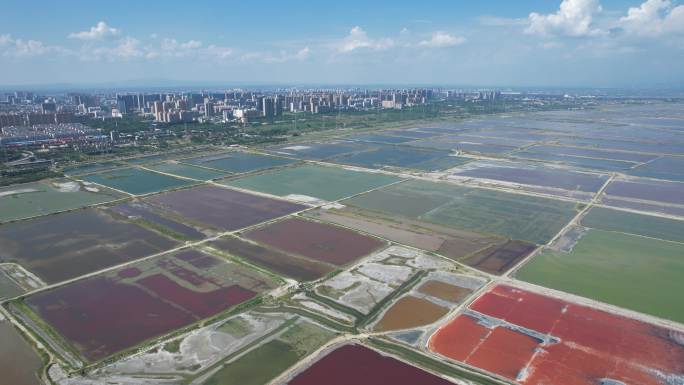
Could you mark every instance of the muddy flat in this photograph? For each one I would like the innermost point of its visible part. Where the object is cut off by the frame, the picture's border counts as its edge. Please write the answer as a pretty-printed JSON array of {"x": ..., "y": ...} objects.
[
  {"x": 19, "y": 364},
  {"x": 410, "y": 312},
  {"x": 445, "y": 291}
]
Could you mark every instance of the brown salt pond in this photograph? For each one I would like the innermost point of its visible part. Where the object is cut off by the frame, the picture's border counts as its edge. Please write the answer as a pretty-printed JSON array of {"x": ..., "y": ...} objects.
[
  {"x": 68, "y": 245},
  {"x": 19, "y": 364},
  {"x": 119, "y": 309},
  {"x": 410, "y": 312},
  {"x": 319, "y": 241},
  {"x": 451, "y": 243},
  {"x": 301, "y": 269},
  {"x": 445, "y": 291},
  {"x": 488, "y": 253},
  {"x": 223, "y": 208},
  {"x": 500, "y": 258}
]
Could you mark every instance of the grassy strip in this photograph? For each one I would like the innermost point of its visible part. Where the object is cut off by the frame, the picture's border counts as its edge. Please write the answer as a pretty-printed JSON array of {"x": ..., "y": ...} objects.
[
  {"x": 275, "y": 276},
  {"x": 173, "y": 346},
  {"x": 8, "y": 180},
  {"x": 305, "y": 313},
  {"x": 335, "y": 305},
  {"x": 162, "y": 229},
  {"x": 434, "y": 365},
  {"x": 405, "y": 287}
]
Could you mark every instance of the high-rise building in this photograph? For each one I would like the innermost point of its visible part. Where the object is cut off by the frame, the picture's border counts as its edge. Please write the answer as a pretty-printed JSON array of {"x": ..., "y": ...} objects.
[
  {"x": 278, "y": 106},
  {"x": 208, "y": 109},
  {"x": 186, "y": 116},
  {"x": 267, "y": 109},
  {"x": 195, "y": 99},
  {"x": 168, "y": 106},
  {"x": 151, "y": 98},
  {"x": 33, "y": 119},
  {"x": 12, "y": 120},
  {"x": 48, "y": 107},
  {"x": 158, "y": 111},
  {"x": 126, "y": 103}
]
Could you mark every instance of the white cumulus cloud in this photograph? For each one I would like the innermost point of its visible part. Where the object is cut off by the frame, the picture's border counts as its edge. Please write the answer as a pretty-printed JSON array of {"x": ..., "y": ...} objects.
[
  {"x": 126, "y": 48},
  {"x": 219, "y": 52},
  {"x": 174, "y": 48},
  {"x": 282, "y": 57},
  {"x": 191, "y": 49},
  {"x": 100, "y": 31},
  {"x": 28, "y": 48},
  {"x": 654, "y": 18},
  {"x": 191, "y": 44},
  {"x": 442, "y": 40},
  {"x": 358, "y": 39},
  {"x": 303, "y": 54},
  {"x": 285, "y": 56},
  {"x": 573, "y": 18},
  {"x": 5, "y": 40}
]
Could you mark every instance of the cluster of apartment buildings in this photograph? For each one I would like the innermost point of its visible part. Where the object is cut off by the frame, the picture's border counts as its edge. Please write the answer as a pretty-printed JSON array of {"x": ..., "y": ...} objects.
[{"x": 249, "y": 105}]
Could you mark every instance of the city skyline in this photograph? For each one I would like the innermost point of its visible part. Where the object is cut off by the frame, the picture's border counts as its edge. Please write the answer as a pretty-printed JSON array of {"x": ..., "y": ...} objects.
[{"x": 590, "y": 43}]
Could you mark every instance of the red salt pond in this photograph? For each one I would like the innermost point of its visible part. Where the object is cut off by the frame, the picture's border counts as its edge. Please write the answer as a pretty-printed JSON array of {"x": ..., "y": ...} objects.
[
  {"x": 535, "y": 339},
  {"x": 522, "y": 308}
]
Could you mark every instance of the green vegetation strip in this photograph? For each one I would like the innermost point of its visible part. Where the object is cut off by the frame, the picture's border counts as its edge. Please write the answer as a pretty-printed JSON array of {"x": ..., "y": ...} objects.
[
  {"x": 305, "y": 313},
  {"x": 257, "y": 367},
  {"x": 8, "y": 180},
  {"x": 246, "y": 263},
  {"x": 162, "y": 230},
  {"x": 432, "y": 364},
  {"x": 335, "y": 305}
]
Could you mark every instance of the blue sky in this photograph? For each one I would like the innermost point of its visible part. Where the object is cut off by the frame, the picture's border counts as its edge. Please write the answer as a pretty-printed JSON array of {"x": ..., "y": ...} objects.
[{"x": 582, "y": 43}]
